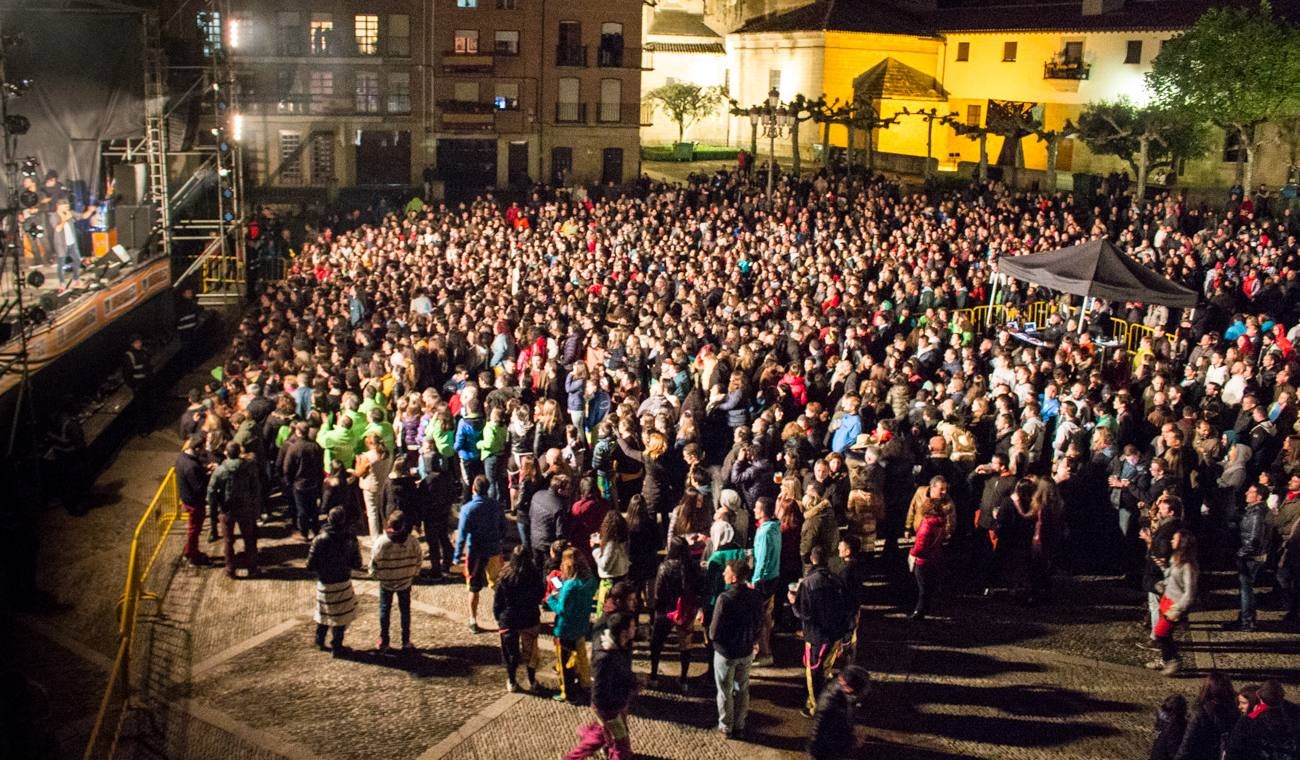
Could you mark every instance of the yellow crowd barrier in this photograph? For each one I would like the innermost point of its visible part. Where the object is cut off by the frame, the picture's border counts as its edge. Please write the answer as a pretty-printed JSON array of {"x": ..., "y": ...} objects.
[
  {"x": 1127, "y": 334},
  {"x": 146, "y": 545}
]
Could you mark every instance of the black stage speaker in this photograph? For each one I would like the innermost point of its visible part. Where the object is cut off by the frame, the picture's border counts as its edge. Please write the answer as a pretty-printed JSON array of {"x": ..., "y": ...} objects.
[{"x": 134, "y": 223}]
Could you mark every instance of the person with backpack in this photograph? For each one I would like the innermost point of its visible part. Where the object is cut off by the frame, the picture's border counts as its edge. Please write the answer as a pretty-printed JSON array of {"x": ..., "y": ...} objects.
[
  {"x": 821, "y": 602},
  {"x": 235, "y": 491}
]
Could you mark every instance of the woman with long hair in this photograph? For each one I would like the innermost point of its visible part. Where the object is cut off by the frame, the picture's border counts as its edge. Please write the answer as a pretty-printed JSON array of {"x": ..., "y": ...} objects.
[
  {"x": 643, "y": 544},
  {"x": 654, "y": 485},
  {"x": 1212, "y": 721},
  {"x": 675, "y": 605},
  {"x": 572, "y": 604},
  {"x": 519, "y": 586},
  {"x": 690, "y": 519},
  {"x": 1175, "y": 600},
  {"x": 372, "y": 469},
  {"x": 530, "y": 483},
  {"x": 610, "y": 551},
  {"x": 549, "y": 432},
  {"x": 925, "y": 556}
]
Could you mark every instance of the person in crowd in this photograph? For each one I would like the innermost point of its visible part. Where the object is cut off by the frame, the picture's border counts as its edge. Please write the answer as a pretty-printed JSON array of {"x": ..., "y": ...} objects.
[
  {"x": 676, "y": 604},
  {"x": 235, "y": 491},
  {"x": 1159, "y": 537},
  {"x": 612, "y": 687},
  {"x": 1171, "y": 724},
  {"x": 1213, "y": 718},
  {"x": 1177, "y": 594},
  {"x": 833, "y": 736},
  {"x": 572, "y": 603},
  {"x": 609, "y": 549},
  {"x": 643, "y": 544},
  {"x": 192, "y": 488},
  {"x": 1254, "y": 534},
  {"x": 821, "y": 604},
  {"x": 479, "y": 537},
  {"x": 925, "y": 557},
  {"x": 514, "y": 604},
  {"x": 303, "y": 470},
  {"x": 1269, "y": 731},
  {"x": 372, "y": 469},
  {"x": 548, "y": 517},
  {"x": 766, "y": 575},
  {"x": 737, "y": 619},
  {"x": 333, "y": 555},
  {"x": 395, "y": 561}
]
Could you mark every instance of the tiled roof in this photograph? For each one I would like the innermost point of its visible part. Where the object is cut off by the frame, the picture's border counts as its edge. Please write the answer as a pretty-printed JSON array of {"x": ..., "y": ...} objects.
[
  {"x": 891, "y": 79},
  {"x": 679, "y": 24},
  {"x": 843, "y": 16},
  {"x": 685, "y": 47}
]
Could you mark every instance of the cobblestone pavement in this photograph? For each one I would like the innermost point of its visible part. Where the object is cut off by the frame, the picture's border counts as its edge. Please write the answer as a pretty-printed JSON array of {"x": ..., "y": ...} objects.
[{"x": 226, "y": 668}]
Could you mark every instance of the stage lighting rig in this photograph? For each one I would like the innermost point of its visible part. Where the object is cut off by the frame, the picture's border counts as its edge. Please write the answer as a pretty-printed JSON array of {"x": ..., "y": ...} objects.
[{"x": 17, "y": 88}]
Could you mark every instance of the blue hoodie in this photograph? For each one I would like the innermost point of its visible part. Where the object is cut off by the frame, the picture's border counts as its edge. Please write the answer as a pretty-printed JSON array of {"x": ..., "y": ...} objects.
[{"x": 481, "y": 529}]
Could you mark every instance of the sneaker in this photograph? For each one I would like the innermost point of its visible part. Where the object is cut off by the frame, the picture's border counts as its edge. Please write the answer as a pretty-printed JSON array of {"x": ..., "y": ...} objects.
[
  {"x": 1171, "y": 668},
  {"x": 340, "y": 652},
  {"x": 473, "y": 627},
  {"x": 533, "y": 686},
  {"x": 764, "y": 662},
  {"x": 558, "y": 698},
  {"x": 381, "y": 645},
  {"x": 1156, "y": 664},
  {"x": 200, "y": 560},
  {"x": 1238, "y": 625},
  {"x": 408, "y": 646},
  {"x": 511, "y": 686},
  {"x": 807, "y": 712},
  {"x": 1148, "y": 644}
]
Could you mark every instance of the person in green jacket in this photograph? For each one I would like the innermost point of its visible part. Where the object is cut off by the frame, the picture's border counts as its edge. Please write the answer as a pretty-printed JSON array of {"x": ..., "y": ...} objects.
[
  {"x": 571, "y": 603},
  {"x": 374, "y": 399},
  {"x": 382, "y": 428},
  {"x": 336, "y": 438},
  {"x": 492, "y": 449},
  {"x": 350, "y": 402}
]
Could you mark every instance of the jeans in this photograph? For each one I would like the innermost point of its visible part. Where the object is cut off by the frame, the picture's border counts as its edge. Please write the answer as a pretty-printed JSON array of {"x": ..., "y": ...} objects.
[
  {"x": 927, "y": 583},
  {"x": 1153, "y": 606},
  {"x": 69, "y": 263},
  {"x": 193, "y": 529},
  {"x": 247, "y": 523},
  {"x": 1247, "y": 570},
  {"x": 519, "y": 645},
  {"x": 386, "y": 610},
  {"x": 494, "y": 468},
  {"x": 306, "y": 505},
  {"x": 732, "y": 678}
]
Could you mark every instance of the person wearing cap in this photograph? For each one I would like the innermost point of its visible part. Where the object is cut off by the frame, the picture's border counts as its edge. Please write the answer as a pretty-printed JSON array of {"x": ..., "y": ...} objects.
[{"x": 192, "y": 489}]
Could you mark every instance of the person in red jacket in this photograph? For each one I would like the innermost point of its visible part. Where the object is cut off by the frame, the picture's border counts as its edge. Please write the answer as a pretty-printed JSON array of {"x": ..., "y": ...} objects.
[{"x": 925, "y": 556}]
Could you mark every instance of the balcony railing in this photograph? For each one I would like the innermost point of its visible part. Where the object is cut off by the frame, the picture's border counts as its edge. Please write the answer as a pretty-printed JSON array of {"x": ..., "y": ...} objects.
[
  {"x": 465, "y": 121},
  {"x": 570, "y": 113},
  {"x": 465, "y": 106},
  {"x": 627, "y": 114},
  {"x": 1066, "y": 69},
  {"x": 468, "y": 63},
  {"x": 570, "y": 55}
]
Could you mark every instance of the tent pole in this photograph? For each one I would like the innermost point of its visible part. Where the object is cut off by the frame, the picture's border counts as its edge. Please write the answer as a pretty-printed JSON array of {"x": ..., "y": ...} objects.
[{"x": 1083, "y": 310}]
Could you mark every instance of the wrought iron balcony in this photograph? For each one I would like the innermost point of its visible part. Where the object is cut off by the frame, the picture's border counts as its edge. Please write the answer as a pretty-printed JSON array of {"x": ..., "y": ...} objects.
[
  {"x": 570, "y": 55},
  {"x": 1066, "y": 69}
]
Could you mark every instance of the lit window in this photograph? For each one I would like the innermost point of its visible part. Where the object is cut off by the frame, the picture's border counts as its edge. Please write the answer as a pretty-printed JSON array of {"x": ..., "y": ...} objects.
[
  {"x": 366, "y": 29},
  {"x": 466, "y": 3},
  {"x": 399, "y": 92},
  {"x": 506, "y": 97},
  {"x": 322, "y": 33},
  {"x": 367, "y": 92},
  {"x": 972, "y": 116},
  {"x": 322, "y": 83},
  {"x": 210, "y": 29},
  {"x": 466, "y": 41}
]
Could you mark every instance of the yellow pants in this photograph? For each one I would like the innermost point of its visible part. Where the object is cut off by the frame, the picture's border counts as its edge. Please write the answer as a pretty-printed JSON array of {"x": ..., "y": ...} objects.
[{"x": 571, "y": 663}]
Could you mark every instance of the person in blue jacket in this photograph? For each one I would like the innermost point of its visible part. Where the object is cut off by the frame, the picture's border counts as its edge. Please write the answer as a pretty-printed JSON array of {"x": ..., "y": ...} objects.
[
  {"x": 469, "y": 431},
  {"x": 572, "y": 603}
]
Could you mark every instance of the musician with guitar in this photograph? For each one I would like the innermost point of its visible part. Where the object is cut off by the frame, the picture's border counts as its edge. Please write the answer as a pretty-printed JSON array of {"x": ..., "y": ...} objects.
[{"x": 65, "y": 242}]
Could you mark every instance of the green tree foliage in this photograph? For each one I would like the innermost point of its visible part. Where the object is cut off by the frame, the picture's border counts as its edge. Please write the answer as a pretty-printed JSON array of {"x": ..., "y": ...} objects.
[
  {"x": 1146, "y": 138},
  {"x": 1235, "y": 67},
  {"x": 685, "y": 103}
]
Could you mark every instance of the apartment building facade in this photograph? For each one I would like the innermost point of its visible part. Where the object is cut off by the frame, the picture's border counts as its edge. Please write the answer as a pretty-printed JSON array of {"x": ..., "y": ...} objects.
[{"x": 536, "y": 90}]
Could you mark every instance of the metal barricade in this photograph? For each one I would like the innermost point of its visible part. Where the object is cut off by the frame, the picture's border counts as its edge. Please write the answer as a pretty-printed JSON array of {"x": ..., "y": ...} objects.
[{"x": 146, "y": 545}]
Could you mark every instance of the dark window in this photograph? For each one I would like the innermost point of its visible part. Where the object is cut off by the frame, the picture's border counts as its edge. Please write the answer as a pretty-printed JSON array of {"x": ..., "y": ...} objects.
[
  {"x": 1009, "y": 51},
  {"x": 963, "y": 51},
  {"x": 1232, "y": 148},
  {"x": 1133, "y": 52}
]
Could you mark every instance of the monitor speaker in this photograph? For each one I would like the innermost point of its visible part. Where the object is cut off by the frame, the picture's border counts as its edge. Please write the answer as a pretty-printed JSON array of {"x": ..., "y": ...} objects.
[{"x": 134, "y": 223}]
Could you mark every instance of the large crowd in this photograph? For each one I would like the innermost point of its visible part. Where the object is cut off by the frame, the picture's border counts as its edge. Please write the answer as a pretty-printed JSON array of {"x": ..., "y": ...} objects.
[{"x": 697, "y": 413}]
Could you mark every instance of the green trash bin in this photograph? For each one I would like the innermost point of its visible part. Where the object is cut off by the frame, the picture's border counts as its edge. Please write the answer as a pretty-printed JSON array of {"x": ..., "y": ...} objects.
[{"x": 684, "y": 151}]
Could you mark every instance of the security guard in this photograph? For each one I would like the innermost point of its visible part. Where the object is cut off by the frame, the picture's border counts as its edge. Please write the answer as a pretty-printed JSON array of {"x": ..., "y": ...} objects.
[
  {"x": 187, "y": 319},
  {"x": 137, "y": 364}
]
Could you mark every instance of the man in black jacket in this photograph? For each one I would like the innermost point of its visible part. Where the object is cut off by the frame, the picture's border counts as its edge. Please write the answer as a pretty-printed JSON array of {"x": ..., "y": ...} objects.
[
  {"x": 1255, "y": 534},
  {"x": 822, "y": 604},
  {"x": 832, "y": 732},
  {"x": 547, "y": 516},
  {"x": 612, "y": 687},
  {"x": 192, "y": 488},
  {"x": 737, "y": 617},
  {"x": 304, "y": 474}
]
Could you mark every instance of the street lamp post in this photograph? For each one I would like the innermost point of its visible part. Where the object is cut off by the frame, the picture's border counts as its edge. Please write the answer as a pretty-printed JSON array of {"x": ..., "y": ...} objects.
[{"x": 775, "y": 119}]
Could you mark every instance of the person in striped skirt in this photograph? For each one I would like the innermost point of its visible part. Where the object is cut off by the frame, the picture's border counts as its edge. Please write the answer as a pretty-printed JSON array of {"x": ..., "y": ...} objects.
[
  {"x": 333, "y": 555},
  {"x": 395, "y": 561}
]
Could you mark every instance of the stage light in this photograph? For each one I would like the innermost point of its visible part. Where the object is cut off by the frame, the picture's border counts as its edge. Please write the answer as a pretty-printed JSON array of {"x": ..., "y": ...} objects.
[
  {"x": 229, "y": 216},
  {"x": 17, "y": 124},
  {"x": 223, "y": 172},
  {"x": 215, "y": 131},
  {"x": 233, "y": 37},
  {"x": 35, "y": 278},
  {"x": 17, "y": 88},
  {"x": 237, "y": 127},
  {"x": 35, "y": 315},
  {"x": 27, "y": 198}
]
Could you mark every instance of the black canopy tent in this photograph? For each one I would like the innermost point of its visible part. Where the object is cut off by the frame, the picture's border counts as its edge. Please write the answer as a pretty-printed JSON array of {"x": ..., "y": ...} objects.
[{"x": 1097, "y": 269}]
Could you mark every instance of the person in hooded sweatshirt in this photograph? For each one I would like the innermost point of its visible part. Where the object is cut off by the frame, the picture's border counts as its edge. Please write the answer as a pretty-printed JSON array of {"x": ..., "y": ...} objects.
[
  {"x": 395, "y": 561},
  {"x": 613, "y": 686},
  {"x": 333, "y": 555}
]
